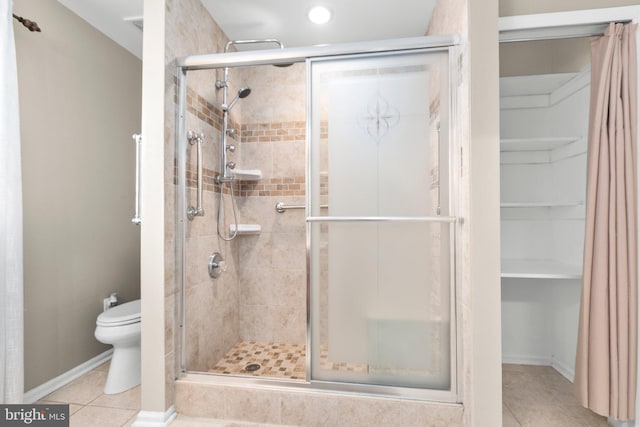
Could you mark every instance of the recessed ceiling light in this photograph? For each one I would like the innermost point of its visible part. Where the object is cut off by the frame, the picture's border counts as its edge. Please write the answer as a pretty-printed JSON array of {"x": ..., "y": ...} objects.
[{"x": 319, "y": 15}]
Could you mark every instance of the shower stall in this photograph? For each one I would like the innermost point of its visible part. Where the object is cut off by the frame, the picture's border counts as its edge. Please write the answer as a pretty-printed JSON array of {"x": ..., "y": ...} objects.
[{"x": 324, "y": 256}]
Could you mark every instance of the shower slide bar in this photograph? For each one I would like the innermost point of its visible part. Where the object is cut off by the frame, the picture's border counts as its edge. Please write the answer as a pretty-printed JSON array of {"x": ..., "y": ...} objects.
[
  {"x": 197, "y": 139},
  {"x": 281, "y": 207},
  {"x": 137, "y": 138}
]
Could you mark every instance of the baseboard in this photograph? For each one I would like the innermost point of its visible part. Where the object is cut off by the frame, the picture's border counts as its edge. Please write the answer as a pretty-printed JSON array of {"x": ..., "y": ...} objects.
[
  {"x": 618, "y": 423},
  {"x": 155, "y": 419},
  {"x": 52, "y": 385},
  {"x": 564, "y": 370},
  {"x": 526, "y": 360}
]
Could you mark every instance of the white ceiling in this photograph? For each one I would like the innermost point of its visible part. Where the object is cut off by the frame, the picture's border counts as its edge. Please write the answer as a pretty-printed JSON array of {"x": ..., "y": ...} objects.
[
  {"x": 286, "y": 20},
  {"x": 353, "y": 20}
]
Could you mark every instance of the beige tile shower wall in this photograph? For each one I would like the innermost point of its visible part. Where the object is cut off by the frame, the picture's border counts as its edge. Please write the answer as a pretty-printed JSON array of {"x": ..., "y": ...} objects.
[
  {"x": 211, "y": 305},
  {"x": 451, "y": 17},
  {"x": 278, "y": 94},
  {"x": 272, "y": 265}
]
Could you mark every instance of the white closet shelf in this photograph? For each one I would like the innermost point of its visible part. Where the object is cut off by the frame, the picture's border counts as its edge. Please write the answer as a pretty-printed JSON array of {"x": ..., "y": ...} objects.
[
  {"x": 247, "y": 174},
  {"x": 535, "y": 144},
  {"x": 245, "y": 229},
  {"x": 566, "y": 204},
  {"x": 539, "y": 269}
]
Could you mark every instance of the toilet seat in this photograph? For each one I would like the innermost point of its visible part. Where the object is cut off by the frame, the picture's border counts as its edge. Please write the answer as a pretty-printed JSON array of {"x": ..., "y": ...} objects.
[{"x": 121, "y": 315}]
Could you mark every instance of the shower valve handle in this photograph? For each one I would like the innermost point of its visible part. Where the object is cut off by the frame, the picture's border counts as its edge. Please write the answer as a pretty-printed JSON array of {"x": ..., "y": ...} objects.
[{"x": 217, "y": 265}]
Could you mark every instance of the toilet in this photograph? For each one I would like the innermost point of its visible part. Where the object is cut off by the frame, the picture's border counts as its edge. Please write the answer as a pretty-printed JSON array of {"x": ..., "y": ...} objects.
[{"x": 120, "y": 327}]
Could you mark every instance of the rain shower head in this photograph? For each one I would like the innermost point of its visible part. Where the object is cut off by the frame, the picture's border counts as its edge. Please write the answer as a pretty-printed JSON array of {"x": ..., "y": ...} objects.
[{"x": 242, "y": 93}]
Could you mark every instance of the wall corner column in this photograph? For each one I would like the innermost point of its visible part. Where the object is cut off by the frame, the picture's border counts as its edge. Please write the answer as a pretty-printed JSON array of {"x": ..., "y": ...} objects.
[
  {"x": 152, "y": 210},
  {"x": 484, "y": 225}
]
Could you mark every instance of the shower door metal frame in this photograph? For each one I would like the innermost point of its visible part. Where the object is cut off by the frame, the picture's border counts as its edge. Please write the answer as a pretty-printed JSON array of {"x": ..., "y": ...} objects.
[
  {"x": 452, "y": 395},
  {"x": 449, "y": 44}
]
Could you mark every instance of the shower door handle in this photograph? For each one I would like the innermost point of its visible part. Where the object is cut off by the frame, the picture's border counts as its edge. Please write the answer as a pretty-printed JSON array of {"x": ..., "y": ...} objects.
[
  {"x": 137, "y": 138},
  {"x": 198, "y": 139}
]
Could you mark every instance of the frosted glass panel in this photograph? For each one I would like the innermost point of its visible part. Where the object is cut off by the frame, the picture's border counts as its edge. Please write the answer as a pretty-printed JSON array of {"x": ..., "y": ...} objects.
[
  {"x": 381, "y": 304},
  {"x": 381, "y": 282}
]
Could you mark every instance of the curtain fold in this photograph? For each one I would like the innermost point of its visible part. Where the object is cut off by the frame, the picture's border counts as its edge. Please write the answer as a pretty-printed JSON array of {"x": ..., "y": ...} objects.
[
  {"x": 11, "y": 272},
  {"x": 606, "y": 358}
]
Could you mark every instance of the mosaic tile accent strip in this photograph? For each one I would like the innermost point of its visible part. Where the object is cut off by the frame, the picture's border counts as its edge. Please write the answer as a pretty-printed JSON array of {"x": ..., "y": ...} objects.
[
  {"x": 293, "y": 186},
  {"x": 288, "y": 186},
  {"x": 276, "y": 360},
  {"x": 273, "y": 132},
  {"x": 279, "y": 131},
  {"x": 206, "y": 111}
]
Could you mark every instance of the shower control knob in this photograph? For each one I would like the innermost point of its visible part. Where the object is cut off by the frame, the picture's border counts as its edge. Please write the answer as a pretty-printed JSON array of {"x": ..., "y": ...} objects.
[
  {"x": 217, "y": 265},
  {"x": 231, "y": 147},
  {"x": 231, "y": 165}
]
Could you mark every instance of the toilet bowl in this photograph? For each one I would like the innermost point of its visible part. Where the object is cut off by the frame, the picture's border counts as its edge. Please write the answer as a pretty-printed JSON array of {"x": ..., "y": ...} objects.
[{"x": 120, "y": 327}]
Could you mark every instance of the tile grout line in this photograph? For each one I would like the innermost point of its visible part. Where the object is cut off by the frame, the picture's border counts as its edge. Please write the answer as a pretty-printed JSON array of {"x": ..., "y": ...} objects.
[{"x": 511, "y": 412}]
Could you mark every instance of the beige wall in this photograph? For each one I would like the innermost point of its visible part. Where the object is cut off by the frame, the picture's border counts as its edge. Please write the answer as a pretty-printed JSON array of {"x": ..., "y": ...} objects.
[
  {"x": 79, "y": 105},
  {"x": 559, "y": 56},
  {"x": 526, "y": 7},
  {"x": 544, "y": 57}
]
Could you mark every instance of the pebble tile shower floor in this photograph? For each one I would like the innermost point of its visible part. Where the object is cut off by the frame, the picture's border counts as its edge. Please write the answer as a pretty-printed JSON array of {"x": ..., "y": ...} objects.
[{"x": 276, "y": 360}]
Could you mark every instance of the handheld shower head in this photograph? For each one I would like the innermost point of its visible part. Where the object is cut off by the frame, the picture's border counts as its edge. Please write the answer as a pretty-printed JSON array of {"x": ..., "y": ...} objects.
[{"x": 242, "y": 93}]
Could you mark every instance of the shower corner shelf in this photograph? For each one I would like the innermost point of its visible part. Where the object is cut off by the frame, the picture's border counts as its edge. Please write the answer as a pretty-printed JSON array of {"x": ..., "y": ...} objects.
[
  {"x": 247, "y": 174},
  {"x": 246, "y": 229}
]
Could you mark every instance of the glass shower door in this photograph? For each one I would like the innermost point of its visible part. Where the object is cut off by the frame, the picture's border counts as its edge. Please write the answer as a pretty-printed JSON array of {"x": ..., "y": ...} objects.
[{"x": 380, "y": 221}]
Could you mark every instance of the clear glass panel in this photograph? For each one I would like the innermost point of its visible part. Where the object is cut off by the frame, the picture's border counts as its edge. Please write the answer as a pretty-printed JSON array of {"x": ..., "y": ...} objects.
[{"x": 381, "y": 290}]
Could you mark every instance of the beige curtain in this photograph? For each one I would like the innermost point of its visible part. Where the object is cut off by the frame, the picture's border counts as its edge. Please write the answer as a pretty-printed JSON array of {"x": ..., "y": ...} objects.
[{"x": 606, "y": 359}]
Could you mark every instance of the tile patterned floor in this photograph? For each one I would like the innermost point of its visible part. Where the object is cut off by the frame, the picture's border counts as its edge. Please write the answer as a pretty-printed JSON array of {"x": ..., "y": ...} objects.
[
  {"x": 533, "y": 396},
  {"x": 538, "y": 396},
  {"x": 89, "y": 406},
  {"x": 276, "y": 360}
]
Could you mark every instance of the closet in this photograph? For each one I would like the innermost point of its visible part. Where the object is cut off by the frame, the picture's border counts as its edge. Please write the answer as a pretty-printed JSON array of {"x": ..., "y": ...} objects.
[{"x": 544, "y": 126}]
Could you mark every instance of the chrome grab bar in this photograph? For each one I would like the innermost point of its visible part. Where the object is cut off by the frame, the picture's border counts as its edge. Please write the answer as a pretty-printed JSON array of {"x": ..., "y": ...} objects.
[
  {"x": 281, "y": 207},
  {"x": 445, "y": 219},
  {"x": 137, "y": 138},
  {"x": 198, "y": 139}
]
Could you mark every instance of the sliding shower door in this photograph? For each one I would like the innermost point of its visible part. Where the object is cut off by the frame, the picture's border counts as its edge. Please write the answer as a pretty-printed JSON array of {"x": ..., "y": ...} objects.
[{"x": 380, "y": 221}]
